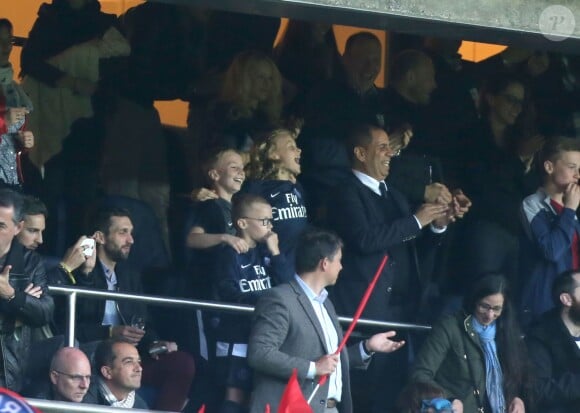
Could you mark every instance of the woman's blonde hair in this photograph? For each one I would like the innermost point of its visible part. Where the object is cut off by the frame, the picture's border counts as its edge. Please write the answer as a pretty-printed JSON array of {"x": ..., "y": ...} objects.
[
  {"x": 236, "y": 88},
  {"x": 261, "y": 165}
]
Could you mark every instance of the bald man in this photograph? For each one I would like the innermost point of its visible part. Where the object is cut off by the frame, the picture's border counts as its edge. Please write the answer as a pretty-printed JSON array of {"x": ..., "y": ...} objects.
[{"x": 70, "y": 375}]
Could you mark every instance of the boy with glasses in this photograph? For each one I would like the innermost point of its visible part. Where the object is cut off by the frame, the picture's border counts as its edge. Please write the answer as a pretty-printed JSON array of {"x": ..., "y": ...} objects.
[{"x": 242, "y": 278}]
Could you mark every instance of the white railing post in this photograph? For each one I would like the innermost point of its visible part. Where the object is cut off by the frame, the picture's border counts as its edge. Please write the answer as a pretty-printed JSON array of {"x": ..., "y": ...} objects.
[{"x": 72, "y": 311}]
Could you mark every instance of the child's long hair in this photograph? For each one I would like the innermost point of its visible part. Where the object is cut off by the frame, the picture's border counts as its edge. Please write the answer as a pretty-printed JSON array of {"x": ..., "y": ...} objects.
[{"x": 261, "y": 165}]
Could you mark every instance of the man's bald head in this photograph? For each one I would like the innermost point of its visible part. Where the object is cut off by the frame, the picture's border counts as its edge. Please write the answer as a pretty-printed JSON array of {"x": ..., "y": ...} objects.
[{"x": 70, "y": 372}]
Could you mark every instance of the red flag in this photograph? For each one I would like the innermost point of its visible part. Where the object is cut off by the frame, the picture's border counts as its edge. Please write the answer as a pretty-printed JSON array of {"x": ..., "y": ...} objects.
[
  {"x": 293, "y": 400},
  {"x": 201, "y": 409},
  {"x": 267, "y": 410},
  {"x": 357, "y": 314}
]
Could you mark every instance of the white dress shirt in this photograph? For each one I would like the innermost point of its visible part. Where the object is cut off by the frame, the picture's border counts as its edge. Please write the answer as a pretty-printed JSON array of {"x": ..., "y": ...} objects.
[{"x": 374, "y": 185}]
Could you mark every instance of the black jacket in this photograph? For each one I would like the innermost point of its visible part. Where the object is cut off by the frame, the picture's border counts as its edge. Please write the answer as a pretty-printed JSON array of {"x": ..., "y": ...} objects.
[
  {"x": 556, "y": 360},
  {"x": 370, "y": 229},
  {"x": 90, "y": 311},
  {"x": 22, "y": 313}
]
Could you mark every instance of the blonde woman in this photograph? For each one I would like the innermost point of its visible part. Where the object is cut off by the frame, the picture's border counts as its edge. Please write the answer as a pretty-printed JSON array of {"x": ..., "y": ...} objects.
[{"x": 250, "y": 102}]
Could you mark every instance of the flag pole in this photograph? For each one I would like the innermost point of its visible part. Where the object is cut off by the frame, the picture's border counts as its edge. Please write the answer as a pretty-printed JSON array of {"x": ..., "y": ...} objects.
[
  {"x": 357, "y": 314},
  {"x": 313, "y": 392}
]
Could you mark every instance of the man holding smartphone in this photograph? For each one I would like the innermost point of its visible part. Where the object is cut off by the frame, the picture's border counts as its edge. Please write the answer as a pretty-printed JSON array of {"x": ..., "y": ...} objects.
[{"x": 164, "y": 367}]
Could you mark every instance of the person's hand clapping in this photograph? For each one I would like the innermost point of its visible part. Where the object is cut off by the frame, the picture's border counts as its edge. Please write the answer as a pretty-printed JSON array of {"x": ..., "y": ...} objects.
[
  {"x": 461, "y": 203},
  {"x": 427, "y": 213},
  {"x": 437, "y": 193}
]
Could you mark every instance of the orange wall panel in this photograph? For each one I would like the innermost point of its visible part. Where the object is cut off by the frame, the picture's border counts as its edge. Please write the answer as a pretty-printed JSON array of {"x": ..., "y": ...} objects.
[{"x": 476, "y": 52}]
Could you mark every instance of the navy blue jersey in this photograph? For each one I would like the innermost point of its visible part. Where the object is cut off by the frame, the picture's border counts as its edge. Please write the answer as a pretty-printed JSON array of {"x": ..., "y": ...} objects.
[
  {"x": 288, "y": 210},
  {"x": 215, "y": 217},
  {"x": 241, "y": 279}
]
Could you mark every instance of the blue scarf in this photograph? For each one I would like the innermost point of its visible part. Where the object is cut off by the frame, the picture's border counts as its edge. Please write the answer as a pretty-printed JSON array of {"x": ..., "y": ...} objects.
[{"x": 493, "y": 373}]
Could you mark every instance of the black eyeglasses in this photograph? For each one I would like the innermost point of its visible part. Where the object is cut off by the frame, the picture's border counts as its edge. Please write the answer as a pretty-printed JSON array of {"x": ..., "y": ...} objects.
[
  {"x": 76, "y": 378},
  {"x": 265, "y": 221},
  {"x": 484, "y": 308}
]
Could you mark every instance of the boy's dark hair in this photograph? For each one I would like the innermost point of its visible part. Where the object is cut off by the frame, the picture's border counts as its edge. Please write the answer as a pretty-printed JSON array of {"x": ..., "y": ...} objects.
[
  {"x": 210, "y": 160},
  {"x": 241, "y": 203},
  {"x": 564, "y": 283},
  {"x": 33, "y": 206},
  {"x": 102, "y": 218},
  {"x": 554, "y": 147},
  {"x": 314, "y": 245}
]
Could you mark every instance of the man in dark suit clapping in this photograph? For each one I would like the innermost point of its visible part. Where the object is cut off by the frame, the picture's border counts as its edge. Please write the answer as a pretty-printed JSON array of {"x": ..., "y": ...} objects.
[{"x": 374, "y": 220}]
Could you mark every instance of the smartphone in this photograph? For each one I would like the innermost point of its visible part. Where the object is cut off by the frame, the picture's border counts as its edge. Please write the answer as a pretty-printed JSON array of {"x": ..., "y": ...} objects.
[{"x": 157, "y": 349}]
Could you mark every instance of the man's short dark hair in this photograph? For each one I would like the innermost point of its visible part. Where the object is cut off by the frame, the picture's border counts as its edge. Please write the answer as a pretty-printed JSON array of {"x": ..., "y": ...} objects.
[
  {"x": 357, "y": 37},
  {"x": 12, "y": 199},
  {"x": 104, "y": 353},
  {"x": 102, "y": 218},
  {"x": 33, "y": 206},
  {"x": 404, "y": 62},
  {"x": 564, "y": 283},
  {"x": 359, "y": 135},
  {"x": 314, "y": 245}
]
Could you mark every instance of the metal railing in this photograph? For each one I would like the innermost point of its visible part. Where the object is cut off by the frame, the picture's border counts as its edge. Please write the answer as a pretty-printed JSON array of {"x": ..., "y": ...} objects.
[
  {"x": 73, "y": 293},
  {"x": 49, "y": 406}
]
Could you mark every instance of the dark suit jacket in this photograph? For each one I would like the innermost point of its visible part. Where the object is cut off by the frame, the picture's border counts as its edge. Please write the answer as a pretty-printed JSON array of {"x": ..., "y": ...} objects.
[
  {"x": 369, "y": 232},
  {"x": 90, "y": 311},
  {"x": 556, "y": 360},
  {"x": 287, "y": 335}
]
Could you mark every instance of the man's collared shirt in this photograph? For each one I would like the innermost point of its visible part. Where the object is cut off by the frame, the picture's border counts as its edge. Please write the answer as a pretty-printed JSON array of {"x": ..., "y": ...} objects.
[
  {"x": 111, "y": 316},
  {"x": 374, "y": 185},
  {"x": 330, "y": 337}
]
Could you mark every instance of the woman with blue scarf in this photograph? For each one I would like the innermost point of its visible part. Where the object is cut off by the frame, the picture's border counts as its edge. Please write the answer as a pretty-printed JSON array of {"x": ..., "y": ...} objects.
[{"x": 478, "y": 355}]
